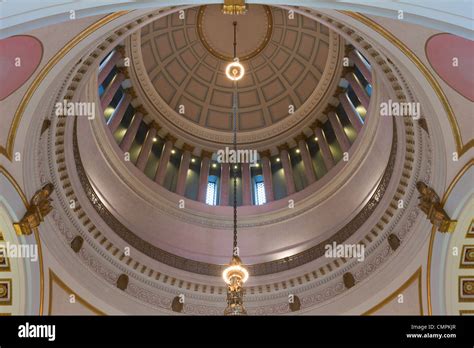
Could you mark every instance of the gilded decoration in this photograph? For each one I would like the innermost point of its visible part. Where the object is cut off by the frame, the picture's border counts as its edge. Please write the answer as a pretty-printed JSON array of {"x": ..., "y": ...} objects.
[
  {"x": 40, "y": 206},
  {"x": 430, "y": 204},
  {"x": 5, "y": 292}
]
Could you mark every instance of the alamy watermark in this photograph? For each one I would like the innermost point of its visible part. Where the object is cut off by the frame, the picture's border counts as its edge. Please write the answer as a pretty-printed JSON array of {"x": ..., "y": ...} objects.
[
  {"x": 229, "y": 155},
  {"x": 407, "y": 109},
  {"x": 66, "y": 108},
  {"x": 25, "y": 251},
  {"x": 335, "y": 250},
  {"x": 37, "y": 331}
]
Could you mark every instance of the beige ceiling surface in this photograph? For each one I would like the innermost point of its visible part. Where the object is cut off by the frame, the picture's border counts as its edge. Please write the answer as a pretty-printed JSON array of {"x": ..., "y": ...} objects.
[{"x": 186, "y": 64}]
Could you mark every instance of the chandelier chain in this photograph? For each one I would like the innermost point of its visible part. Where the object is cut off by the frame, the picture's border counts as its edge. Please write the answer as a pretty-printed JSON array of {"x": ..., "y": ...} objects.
[
  {"x": 235, "y": 166},
  {"x": 234, "y": 128}
]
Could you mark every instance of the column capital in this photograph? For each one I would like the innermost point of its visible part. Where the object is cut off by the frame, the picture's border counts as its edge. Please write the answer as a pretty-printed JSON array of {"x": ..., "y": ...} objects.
[
  {"x": 206, "y": 154},
  {"x": 348, "y": 70},
  {"x": 329, "y": 108},
  {"x": 155, "y": 125},
  {"x": 131, "y": 91},
  {"x": 339, "y": 90},
  {"x": 299, "y": 137},
  {"x": 265, "y": 153},
  {"x": 187, "y": 147},
  {"x": 283, "y": 147},
  {"x": 142, "y": 110},
  {"x": 316, "y": 124},
  {"x": 120, "y": 49},
  {"x": 123, "y": 70},
  {"x": 169, "y": 137},
  {"x": 348, "y": 49}
]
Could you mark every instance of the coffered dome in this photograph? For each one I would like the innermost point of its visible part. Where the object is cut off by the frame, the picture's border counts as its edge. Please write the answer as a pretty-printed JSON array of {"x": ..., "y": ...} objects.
[{"x": 285, "y": 61}]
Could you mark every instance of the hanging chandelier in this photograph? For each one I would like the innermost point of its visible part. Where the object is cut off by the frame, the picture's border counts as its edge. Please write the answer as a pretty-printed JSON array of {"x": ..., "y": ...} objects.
[
  {"x": 234, "y": 7},
  {"x": 235, "y": 275}
]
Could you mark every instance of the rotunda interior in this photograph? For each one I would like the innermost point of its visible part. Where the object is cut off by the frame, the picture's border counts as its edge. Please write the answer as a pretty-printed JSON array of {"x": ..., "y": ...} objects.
[{"x": 236, "y": 157}]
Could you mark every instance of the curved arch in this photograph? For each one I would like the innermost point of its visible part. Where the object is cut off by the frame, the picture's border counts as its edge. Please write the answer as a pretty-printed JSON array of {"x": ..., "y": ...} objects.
[
  {"x": 16, "y": 186},
  {"x": 442, "y": 239},
  {"x": 445, "y": 17}
]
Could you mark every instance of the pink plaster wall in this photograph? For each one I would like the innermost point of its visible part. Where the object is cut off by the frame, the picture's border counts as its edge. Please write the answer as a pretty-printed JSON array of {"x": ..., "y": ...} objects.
[
  {"x": 29, "y": 50},
  {"x": 440, "y": 51}
]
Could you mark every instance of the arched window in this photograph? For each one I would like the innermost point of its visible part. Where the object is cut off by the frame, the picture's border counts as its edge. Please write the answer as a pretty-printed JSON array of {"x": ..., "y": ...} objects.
[
  {"x": 211, "y": 195},
  {"x": 259, "y": 191}
]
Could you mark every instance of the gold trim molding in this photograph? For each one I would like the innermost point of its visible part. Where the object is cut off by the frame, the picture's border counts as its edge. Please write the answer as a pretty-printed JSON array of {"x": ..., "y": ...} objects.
[
  {"x": 430, "y": 205},
  {"x": 392, "y": 296},
  {"x": 39, "y": 207}
]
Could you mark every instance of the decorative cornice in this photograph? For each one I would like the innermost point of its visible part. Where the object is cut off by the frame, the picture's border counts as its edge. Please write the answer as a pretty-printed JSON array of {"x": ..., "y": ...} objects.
[{"x": 216, "y": 270}]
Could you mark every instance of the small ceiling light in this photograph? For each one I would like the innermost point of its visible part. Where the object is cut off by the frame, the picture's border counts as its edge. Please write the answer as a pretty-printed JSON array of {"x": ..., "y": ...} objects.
[
  {"x": 361, "y": 110},
  {"x": 214, "y": 165},
  {"x": 235, "y": 269},
  {"x": 193, "y": 160},
  {"x": 257, "y": 165},
  {"x": 234, "y": 7},
  {"x": 235, "y": 71},
  {"x": 155, "y": 139},
  {"x": 316, "y": 138},
  {"x": 109, "y": 111},
  {"x": 278, "y": 159},
  {"x": 173, "y": 151},
  {"x": 235, "y": 167},
  {"x": 298, "y": 151}
]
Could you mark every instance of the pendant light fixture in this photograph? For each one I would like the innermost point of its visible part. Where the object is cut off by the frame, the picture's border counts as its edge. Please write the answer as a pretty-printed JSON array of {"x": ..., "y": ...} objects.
[
  {"x": 234, "y": 7},
  {"x": 235, "y": 275}
]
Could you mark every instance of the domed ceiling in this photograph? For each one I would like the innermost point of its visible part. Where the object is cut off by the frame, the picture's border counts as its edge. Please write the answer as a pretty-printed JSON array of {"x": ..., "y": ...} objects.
[{"x": 285, "y": 60}]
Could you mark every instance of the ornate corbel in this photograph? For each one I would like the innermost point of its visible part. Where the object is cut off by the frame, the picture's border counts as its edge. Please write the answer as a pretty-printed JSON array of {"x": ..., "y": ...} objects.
[
  {"x": 39, "y": 207},
  {"x": 430, "y": 204}
]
